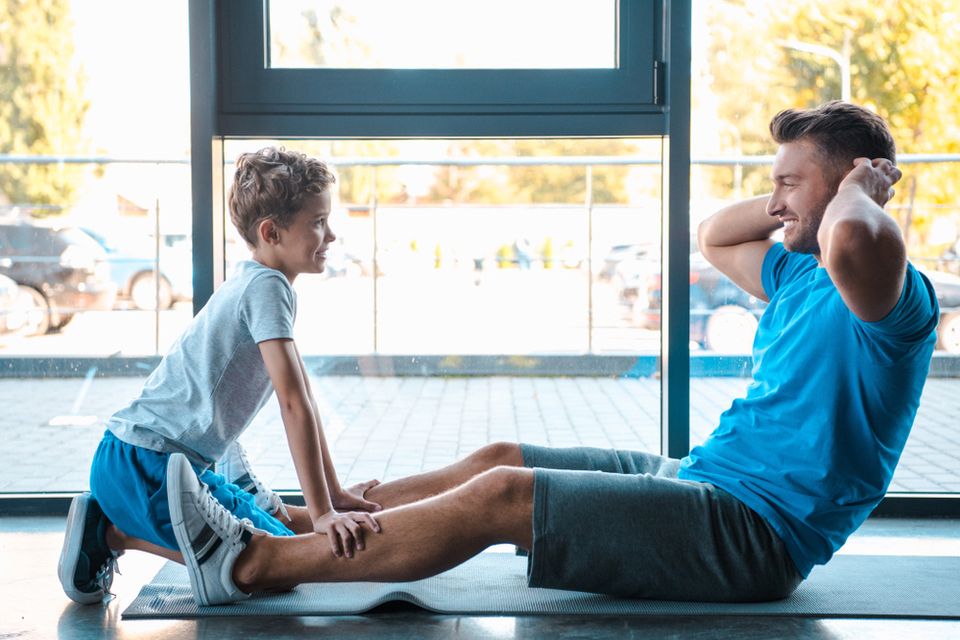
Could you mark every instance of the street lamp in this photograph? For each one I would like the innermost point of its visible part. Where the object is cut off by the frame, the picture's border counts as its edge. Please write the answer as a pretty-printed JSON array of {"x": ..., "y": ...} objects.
[{"x": 842, "y": 58}]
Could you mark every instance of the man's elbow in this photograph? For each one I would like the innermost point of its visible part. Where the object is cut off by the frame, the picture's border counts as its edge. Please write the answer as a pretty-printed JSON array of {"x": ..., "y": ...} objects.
[
  {"x": 703, "y": 236},
  {"x": 857, "y": 241}
]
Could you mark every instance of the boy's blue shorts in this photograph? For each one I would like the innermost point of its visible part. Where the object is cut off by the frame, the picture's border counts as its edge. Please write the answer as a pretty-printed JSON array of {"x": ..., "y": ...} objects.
[{"x": 130, "y": 484}]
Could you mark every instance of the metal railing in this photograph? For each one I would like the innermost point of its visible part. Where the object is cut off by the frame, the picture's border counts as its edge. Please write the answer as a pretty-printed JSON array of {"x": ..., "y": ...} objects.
[{"x": 588, "y": 205}]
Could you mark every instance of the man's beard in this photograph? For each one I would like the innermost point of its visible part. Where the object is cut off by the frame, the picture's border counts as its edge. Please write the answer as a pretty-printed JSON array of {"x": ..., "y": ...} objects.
[{"x": 805, "y": 231}]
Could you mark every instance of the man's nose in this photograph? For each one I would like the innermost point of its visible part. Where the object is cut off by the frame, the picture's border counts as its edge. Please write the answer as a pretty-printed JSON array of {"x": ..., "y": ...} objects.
[{"x": 774, "y": 205}]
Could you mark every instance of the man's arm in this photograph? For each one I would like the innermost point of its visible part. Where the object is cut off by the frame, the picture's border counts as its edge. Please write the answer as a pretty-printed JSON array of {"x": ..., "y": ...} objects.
[
  {"x": 736, "y": 239},
  {"x": 860, "y": 245}
]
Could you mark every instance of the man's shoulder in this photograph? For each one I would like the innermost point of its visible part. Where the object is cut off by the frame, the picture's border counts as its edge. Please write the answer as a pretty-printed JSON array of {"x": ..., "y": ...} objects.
[{"x": 781, "y": 266}]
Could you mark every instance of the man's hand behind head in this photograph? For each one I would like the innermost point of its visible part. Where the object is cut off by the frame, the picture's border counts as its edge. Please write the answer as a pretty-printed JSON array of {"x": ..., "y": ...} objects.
[{"x": 874, "y": 177}]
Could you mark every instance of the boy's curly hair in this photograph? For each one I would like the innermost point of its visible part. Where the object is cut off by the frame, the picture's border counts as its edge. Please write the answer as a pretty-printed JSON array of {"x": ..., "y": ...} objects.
[{"x": 273, "y": 183}]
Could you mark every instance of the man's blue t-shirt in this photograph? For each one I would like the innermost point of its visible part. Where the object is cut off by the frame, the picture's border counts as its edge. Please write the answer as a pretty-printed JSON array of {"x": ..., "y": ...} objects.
[{"x": 813, "y": 445}]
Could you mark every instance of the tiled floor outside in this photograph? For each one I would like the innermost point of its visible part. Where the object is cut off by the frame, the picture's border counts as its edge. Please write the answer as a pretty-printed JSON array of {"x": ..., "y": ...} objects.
[{"x": 388, "y": 427}]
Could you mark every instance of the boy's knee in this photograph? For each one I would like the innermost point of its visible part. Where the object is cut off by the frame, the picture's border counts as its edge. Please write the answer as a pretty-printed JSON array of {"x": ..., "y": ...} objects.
[{"x": 498, "y": 454}]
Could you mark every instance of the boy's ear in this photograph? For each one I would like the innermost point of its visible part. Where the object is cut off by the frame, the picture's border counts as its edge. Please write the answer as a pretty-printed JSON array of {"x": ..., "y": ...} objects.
[{"x": 267, "y": 232}]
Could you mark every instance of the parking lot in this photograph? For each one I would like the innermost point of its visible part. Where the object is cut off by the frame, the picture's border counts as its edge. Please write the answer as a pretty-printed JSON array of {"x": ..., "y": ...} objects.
[{"x": 455, "y": 311}]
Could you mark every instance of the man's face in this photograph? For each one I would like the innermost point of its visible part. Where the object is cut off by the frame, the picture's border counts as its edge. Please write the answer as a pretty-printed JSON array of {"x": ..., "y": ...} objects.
[{"x": 802, "y": 189}]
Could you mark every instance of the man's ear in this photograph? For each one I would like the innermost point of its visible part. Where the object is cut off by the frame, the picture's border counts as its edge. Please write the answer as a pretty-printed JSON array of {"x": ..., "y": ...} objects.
[
  {"x": 836, "y": 176},
  {"x": 267, "y": 232}
]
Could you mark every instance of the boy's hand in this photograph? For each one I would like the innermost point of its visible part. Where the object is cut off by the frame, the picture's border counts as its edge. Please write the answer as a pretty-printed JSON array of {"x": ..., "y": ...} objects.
[
  {"x": 352, "y": 498},
  {"x": 345, "y": 530},
  {"x": 875, "y": 177}
]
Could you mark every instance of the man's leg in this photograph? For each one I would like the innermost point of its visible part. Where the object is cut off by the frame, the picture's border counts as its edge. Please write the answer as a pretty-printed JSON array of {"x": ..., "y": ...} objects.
[
  {"x": 417, "y": 487},
  {"x": 417, "y": 540},
  {"x": 431, "y": 483}
]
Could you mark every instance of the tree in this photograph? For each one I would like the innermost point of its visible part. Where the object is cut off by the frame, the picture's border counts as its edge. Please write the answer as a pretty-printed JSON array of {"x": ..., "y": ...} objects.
[
  {"x": 44, "y": 106},
  {"x": 904, "y": 65}
]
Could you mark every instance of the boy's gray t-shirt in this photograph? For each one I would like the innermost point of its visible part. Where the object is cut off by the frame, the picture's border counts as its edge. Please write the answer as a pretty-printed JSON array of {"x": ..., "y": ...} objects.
[{"x": 213, "y": 381}]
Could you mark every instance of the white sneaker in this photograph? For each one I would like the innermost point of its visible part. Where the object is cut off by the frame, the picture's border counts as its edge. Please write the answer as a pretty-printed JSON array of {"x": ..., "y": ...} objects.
[
  {"x": 209, "y": 536},
  {"x": 235, "y": 467}
]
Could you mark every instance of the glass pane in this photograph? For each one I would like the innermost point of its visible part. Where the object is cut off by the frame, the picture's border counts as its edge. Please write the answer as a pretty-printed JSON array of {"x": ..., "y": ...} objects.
[
  {"x": 752, "y": 60},
  {"x": 436, "y": 34},
  {"x": 94, "y": 203},
  {"x": 484, "y": 258}
]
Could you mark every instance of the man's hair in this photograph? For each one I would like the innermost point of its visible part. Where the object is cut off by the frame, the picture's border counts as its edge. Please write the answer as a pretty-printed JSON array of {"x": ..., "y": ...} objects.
[
  {"x": 273, "y": 184},
  {"x": 840, "y": 131}
]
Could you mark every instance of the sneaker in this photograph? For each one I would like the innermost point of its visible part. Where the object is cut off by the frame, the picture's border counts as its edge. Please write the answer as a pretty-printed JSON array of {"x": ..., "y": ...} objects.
[
  {"x": 235, "y": 467},
  {"x": 87, "y": 564},
  {"x": 210, "y": 537}
]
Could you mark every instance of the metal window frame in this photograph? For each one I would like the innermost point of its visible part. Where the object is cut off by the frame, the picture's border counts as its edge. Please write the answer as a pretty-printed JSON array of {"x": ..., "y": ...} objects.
[
  {"x": 259, "y": 101},
  {"x": 668, "y": 115}
]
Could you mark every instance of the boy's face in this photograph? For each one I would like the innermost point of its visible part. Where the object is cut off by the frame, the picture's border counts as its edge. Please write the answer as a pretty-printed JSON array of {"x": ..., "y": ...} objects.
[{"x": 303, "y": 245}]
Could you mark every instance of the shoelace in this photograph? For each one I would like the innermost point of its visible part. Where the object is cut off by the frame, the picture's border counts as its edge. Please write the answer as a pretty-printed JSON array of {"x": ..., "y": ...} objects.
[
  {"x": 275, "y": 502},
  {"x": 104, "y": 577},
  {"x": 215, "y": 513}
]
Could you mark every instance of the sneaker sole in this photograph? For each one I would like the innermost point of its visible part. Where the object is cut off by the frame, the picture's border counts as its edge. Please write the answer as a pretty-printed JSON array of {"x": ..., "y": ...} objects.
[
  {"x": 176, "y": 518},
  {"x": 66, "y": 568}
]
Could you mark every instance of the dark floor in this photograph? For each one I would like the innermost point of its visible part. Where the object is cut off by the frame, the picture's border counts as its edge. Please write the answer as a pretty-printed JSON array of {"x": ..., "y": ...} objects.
[{"x": 35, "y": 607}]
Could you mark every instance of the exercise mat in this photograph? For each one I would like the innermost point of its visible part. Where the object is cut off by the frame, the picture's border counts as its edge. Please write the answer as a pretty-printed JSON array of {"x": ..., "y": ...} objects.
[{"x": 495, "y": 584}]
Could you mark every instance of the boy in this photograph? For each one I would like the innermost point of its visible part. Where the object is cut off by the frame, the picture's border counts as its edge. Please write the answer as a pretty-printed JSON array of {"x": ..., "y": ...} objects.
[{"x": 208, "y": 389}]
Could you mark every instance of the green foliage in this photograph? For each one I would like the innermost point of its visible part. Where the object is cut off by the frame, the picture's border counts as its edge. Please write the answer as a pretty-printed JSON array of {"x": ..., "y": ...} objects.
[
  {"x": 541, "y": 184},
  {"x": 44, "y": 106},
  {"x": 904, "y": 62}
]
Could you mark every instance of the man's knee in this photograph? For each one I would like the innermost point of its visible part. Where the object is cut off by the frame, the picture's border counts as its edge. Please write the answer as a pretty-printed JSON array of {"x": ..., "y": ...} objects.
[
  {"x": 501, "y": 502},
  {"x": 505, "y": 485},
  {"x": 498, "y": 454}
]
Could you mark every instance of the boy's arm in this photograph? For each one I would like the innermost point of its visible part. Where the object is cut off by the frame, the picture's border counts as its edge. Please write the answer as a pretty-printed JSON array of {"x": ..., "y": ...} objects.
[
  {"x": 339, "y": 497},
  {"x": 736, "y": 239},
  {"x": 299, "y": 422},
  {"x": 861, "y": 246}
]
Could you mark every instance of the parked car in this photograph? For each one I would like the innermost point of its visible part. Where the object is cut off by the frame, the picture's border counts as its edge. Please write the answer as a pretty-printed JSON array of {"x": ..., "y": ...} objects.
[
  {"x": 723, "y": 317},
  {"x": 342, "y": 263},
  {"x": 623, "y": 257},
  {"x": 133, "y": 271},
  {"x": 947, "y": 288},
  {"x": 59, "y": 272},
  {"x": 9, "y": 314}
]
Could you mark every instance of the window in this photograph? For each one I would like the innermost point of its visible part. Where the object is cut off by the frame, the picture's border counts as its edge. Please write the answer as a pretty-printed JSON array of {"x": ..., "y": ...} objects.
[
  {"x": 474, "y": 295},
  {"x": 432, "y": 34},
  {"x": 324, "y": 66},
  {"x": 809, "y": 54},
  {"x": 94, "y": 201}
]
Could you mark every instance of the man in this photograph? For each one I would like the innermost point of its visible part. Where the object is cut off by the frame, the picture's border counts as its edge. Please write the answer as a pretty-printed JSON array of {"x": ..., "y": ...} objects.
[{"x": 840, "y": 359}]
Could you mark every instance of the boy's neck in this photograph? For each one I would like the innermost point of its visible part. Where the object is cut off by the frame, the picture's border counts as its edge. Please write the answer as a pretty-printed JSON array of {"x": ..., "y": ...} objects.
[{"x": 268, "y": 260}]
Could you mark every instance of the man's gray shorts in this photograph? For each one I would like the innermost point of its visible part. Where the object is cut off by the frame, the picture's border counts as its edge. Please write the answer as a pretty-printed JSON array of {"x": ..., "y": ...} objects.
[{"x": 622, "y": 523}]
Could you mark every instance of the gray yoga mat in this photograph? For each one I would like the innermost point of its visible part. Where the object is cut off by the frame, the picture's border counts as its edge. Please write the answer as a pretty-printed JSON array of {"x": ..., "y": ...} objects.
[{"x": 495, "y": 583}]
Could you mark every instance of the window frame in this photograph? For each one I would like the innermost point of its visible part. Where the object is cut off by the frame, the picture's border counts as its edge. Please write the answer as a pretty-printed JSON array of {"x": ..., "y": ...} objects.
[
  {"x": 214, "y": 118},
  {"x": 255, "y": 99}
]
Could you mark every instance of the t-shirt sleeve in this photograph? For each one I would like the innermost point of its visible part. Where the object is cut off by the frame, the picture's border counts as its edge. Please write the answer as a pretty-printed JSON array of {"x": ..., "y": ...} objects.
[
  {"x": 781, "y": 266},
  {"x": 914, "y": 316},
  {"x": 268, "y": 307}
]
